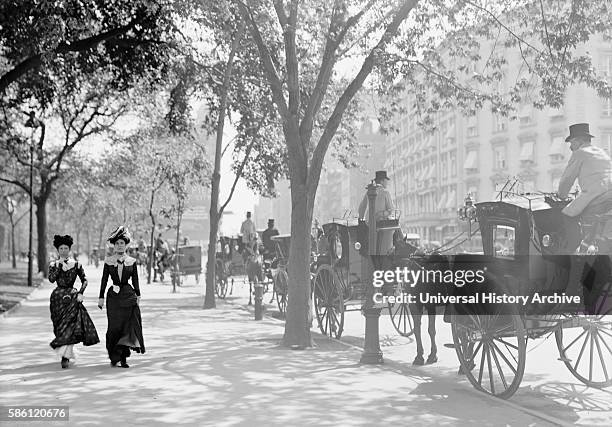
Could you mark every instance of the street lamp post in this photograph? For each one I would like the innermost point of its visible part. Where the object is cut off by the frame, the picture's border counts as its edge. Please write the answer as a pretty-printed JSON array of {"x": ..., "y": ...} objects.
[
  {"x": 10, "y": 205},
  {"x": 31, "y": 123},
  {"x": 372, "y": 354}
]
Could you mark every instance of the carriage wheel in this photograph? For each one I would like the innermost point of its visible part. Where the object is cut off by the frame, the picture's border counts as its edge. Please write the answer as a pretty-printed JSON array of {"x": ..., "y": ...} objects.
[
  {"x": 491, "y": 350},
  {"x": 328, "y": 302},
  {"x": 281, "y": 286},
  {"x": 586, "y": 350},
  {"x": 221, "y": 282},
  {"x": 401, "y": 317}
]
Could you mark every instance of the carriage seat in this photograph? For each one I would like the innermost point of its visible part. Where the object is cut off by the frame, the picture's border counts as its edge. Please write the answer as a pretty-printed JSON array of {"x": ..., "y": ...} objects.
[{"x": 602, "y": 204}]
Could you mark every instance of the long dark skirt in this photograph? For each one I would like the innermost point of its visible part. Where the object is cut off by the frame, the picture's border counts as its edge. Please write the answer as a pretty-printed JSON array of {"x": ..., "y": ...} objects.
[
  {"x": 71, "y": 322},
  {"x": 124, "y": 331}
]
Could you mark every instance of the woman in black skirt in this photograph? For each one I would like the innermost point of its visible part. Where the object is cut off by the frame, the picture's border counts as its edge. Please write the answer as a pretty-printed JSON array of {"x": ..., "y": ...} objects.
[
  {"x": 71, "y": 322},
  {"x": 122, "y": 306}
]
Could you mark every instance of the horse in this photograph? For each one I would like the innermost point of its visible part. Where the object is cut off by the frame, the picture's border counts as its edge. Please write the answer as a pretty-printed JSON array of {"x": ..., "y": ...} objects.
[
  {"x": 253, "y": 266},
  {"x": 416, "y": 259}
]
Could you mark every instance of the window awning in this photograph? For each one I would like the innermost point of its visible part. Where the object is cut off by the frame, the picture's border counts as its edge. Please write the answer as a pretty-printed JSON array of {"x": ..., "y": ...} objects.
[
  {"x": 557, "y": 147},
  {"x": 451, "y": 202},
  {"x": 442, "y": 202},
  {"x": 470, "y": 160},
  {"x": 527, "y": 150}
]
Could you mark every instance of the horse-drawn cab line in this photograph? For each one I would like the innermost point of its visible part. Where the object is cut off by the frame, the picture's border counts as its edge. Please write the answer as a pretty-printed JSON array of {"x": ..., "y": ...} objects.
[{"x": 522, "y": 241}]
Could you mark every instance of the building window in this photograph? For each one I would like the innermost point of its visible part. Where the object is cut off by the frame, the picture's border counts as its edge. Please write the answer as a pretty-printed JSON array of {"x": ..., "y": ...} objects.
[
  {"x": 557, "y": 149},
  {"x": 453, "y": 163},
  {"x": 527, "y": 152},
  {"x": 500, "y": 123},
  {"x": 499, "y": 157},
  {"x": 607, "y": 107},
  {"x": 555, "y": 183},
  {"x": 471, "y": 161},
  {"x": 450, "y": 133},
  {"x": 525, "y": 115},
  {"x": 472, "y": 126}
]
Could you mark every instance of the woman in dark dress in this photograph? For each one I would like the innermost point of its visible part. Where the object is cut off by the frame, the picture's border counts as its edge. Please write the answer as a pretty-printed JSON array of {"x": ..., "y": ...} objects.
[
  {"x": 71, "y": 322},
  {"x": 122, "y": 302}
]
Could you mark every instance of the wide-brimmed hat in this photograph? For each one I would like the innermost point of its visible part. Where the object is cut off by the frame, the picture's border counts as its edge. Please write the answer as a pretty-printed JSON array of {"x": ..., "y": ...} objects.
[
  {"x": 579, "y": 129},
  {"x": 380, "y": 175},
  {"x": 62, "y": 240},
  {"x": 271, "y": 221},
  {"x": 121, "y": 233}
]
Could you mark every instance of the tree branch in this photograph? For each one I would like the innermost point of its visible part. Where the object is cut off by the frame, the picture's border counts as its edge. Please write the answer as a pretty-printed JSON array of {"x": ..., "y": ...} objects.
[
  {"x": 268, "y": 65},
  {"x": 241, "y": 168},
  {"x": 35, "y": 61},
  {"x": 17, "y": 183},
  {"x": 336, "y": 117}
]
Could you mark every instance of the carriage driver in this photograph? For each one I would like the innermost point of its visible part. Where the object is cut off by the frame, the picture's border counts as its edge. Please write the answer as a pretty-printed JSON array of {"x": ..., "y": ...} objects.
[
  {"x": 383, "y": 208},
  {"x": 266, "y": 237},
  {"x": 247, "y": 229},
  {"x": 593, "y": 168}
]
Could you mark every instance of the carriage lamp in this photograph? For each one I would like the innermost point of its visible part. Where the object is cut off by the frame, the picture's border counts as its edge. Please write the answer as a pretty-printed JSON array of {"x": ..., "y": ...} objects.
[
  {"x": 357, "y": 245},
  {"x": 467, "y": 212},
  {"x": 236, "y": 247},
  {"x": 592, "y": 250},
  {"x": 546, "y": 240}
]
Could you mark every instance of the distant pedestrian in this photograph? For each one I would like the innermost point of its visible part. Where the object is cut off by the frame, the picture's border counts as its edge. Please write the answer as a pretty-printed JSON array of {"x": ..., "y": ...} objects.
[
  {"x": 124, "y": 331},
  {"x": 71, "y": 322}
]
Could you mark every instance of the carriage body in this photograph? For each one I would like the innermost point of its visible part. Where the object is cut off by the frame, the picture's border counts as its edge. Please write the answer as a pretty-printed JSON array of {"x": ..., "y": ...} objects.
[{"x": 523, "y": 247}]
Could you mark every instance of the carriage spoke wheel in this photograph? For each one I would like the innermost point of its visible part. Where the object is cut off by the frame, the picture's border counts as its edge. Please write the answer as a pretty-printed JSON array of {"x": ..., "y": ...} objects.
[
  {"x": 281, "y": 287},
  {"x": 328, "y": 302},
  {"x": 491, "y": 350},
  {"x": 221, "y": 280},
  {"x": 586, "y": 350},
  {"x": 399, "y": 312}
]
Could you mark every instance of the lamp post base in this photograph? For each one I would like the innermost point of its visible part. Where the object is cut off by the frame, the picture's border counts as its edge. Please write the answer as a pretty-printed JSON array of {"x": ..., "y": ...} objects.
[{"x": 372, "y": 354}]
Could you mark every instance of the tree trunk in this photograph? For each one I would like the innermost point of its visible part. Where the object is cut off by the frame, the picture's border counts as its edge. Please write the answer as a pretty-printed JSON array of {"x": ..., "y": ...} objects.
[
  {"x": 209, "y": 299},
  {"x": 41, "y": 232},
  {"x": 176, "y": 274},
  {"x": 299, "y": 308},
  {"x": 101, "y": 249},
  {"x": 13, "y": 243},
  {"x": 152, "y": 254},
  {"x": 78, "y": 246},
  {"x": 88, "y": 237}
]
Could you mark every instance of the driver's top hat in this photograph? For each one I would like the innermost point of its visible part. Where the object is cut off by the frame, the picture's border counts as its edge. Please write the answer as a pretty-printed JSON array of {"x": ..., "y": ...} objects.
[
  {"x": 380, "y": 175},
  {"x": 579, "y": 129}
]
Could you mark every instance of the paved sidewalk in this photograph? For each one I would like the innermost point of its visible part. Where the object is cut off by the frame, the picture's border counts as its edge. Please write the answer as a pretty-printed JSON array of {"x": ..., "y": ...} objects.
[{"x": 221, "y": 368}]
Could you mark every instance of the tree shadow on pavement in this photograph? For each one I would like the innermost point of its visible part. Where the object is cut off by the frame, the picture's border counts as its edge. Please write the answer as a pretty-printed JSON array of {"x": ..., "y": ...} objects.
[{"x": 219, "y": 367}]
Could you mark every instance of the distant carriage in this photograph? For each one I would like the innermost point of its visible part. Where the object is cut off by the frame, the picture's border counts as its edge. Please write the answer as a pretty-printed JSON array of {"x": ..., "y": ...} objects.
[
  {"x": 338, "y": 283},
  {"x": 229, "y": 263}
]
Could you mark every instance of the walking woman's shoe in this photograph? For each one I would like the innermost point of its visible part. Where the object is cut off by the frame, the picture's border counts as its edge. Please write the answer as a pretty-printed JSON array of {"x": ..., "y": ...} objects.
[
  {"x": 114, "y": 364},
  {"x": 65, "y": 362},
  {"x": 124, "y": 363}
]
